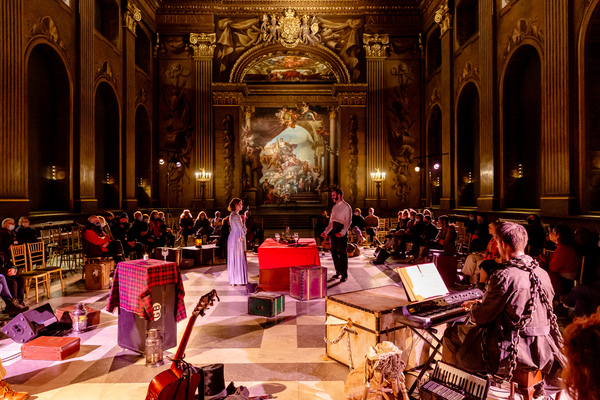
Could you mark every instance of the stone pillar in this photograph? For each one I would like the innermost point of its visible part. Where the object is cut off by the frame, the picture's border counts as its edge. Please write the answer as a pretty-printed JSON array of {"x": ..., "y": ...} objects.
[
  {"x": 556, "y": 199},
  {"x": 87, "y": 135},
  {"x": 444, "y": 19},
  {"x": 204, "y": 46},
  {"x": 487, "y": 200},
  {"x": 13, "y": 103},
  {"x": 334, "y": 144},
  {"x": 376, "y": 51},
  {"x": 131, "y": 17}
]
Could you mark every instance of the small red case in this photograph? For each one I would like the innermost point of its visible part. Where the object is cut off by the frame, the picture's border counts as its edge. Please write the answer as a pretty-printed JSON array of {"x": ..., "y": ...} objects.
[{"x": 50, "y": 348}]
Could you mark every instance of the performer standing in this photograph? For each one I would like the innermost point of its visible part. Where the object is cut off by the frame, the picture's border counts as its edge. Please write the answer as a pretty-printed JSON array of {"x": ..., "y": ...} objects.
[
  {"x": 337, "y": 229},
  {"x": 236, "y": 245}
]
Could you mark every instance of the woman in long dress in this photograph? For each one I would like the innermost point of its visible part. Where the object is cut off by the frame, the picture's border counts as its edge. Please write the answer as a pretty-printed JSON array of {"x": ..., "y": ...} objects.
[{"x": 236, "y": 245}]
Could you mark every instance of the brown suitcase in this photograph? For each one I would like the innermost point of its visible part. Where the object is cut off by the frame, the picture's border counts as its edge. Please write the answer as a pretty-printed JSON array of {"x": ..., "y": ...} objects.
[
  {"x": 63, "y": 314},
  {"x": 50, "y": 348},
  {"x": 97, "y": 275}
]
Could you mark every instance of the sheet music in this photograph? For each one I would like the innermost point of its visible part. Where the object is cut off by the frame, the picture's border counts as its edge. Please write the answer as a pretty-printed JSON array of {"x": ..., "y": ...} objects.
[{"x": 422, "y": 281}]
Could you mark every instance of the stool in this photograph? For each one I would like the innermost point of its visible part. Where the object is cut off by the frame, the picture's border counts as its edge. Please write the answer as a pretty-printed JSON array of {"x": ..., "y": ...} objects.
[
  {"x": 523, "y": 382},
  {"x": 432, "y": 253}
]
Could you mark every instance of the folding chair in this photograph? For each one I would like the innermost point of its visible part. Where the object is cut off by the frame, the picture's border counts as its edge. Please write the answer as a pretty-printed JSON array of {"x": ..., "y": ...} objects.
[
  {"x": 37, "y": 256},
  {"x": 19, "y": 259}
]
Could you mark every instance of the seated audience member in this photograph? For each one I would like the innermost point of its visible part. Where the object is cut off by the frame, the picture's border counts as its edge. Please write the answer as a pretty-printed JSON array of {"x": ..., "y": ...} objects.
[
  {"x": 396, "y": 233},
  {"x": 202, "y": 225},
  {"x": 481, "y": 236},
  {"x": 537, "y": 235},
  {"x": 564, "y": 264},
  {"x": 6, "y": 392},
  {"x": 222, "y": 243},
  {"x": 166, "y": 235},
  {"x": 186, "y": 225},
  {"x": 25, "y": 233},
  {"x": 471, "y": 268},
  {"x": 154, "y": 227},
  {"x": 429, "y": 232},
  {"x": 15, "y": 283},
  {"x": 217, "y": 223},
  {"x": 13, "y": 306},
  {"x": 321, "y": 225},
  {"x": 120, "y": 231},
  {"x": 413, "y": 232},
  {"x": 445, "y": 240},
  {"x": 8, "y": 237},
  {"x": 105, "y": 227},
  {"x": 582, "y": 351},
  {"x": 97, "y": 244},
  {"x": 428, "y": 212},
  {"x": 358, "y": 223},
  {"x": 516, "y": 308},
  {"x": 471, "y": 223},
  {"x": 371, "y": 226}
]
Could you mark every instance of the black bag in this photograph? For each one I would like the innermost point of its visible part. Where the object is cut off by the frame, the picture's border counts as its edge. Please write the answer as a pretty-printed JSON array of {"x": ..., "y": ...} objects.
[
  {"x": 381, "y": 254},
  {"x": 337, "y": 228}
]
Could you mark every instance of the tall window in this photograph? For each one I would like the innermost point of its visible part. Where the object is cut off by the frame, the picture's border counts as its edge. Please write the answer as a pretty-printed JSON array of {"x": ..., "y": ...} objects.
[
  {"x": 434, "y": 51},
  {"x": 142, "y": 50},
  {"x": 592, "y": 118},
  {"x": 467, "y": 20},
  {"x": 106, "y": 19}
]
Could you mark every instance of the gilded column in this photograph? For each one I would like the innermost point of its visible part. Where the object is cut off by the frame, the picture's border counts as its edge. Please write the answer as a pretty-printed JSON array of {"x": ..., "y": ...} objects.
[
  {"x": 486, "y": 199},
  {"x": 334, "y": 144},
  {"x": 444, "y": 19},
  {"x": 131, "y": 17},
  {"x": 13, "y": 145},
  {"x": 87, "y": 134},
  {"x": 376, "y": 49},
  {"x": 204, "y": 46},
  {"x": 555, "y": 111}
]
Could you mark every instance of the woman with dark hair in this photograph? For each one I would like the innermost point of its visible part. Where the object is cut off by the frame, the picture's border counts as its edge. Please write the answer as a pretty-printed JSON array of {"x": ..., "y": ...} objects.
[
  {"x": 582, "y": 350},
  {"x": 536, "y": 234},
  {"x": 202, "y": 225},
  {"x": 236, "y": 245},
  {"x": 563, "y": 267}
]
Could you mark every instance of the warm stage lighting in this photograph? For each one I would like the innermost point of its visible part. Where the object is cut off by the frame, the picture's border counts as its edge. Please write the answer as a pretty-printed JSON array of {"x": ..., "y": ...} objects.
[
  {"x": 436, "y": 166},
  {"x": 161, "y": 161},
  {"x": 178, "y": 164},
  {"x": 417, "y": 168}
]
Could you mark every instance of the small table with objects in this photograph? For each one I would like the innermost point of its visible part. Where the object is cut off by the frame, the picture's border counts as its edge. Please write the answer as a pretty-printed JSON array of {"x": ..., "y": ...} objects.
[
  {"x": 149, "y": 295},
  {"x": 275, "y": 260}
]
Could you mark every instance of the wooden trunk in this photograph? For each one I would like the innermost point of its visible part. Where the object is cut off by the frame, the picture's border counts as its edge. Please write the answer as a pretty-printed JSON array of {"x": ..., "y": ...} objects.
[
  {"x": 308, "y": 282},
  {"x": 97, "y": 274},
  {"x": 51, "y": 348},
  {"x": 371, "y": 314},
  {"x": 266, "y": 304}
]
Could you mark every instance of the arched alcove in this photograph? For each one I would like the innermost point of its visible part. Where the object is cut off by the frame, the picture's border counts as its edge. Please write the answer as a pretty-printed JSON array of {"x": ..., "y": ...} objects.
[
  {"x": 591, "y": 87},
  {"x": 467, "y": 146},
  {"x": 143, "y": 156},
  {"x": 107, "y": 122},
  {"x": 49, "y": 126},
  {"x": 434, "y": 132},
  {"x": 521, "y": 129}
]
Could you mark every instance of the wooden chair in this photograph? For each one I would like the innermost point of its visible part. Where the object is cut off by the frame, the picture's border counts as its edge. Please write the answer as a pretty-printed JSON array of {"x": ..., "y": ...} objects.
[
  {"x": 19, "y": 259},
  {"x": 37, "y": 256}
]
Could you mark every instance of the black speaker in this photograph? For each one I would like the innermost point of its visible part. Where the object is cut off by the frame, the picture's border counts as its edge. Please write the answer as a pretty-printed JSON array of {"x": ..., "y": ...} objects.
[
  {"x": 381, "y": 254},
  {"x": 26, "y": 326}
]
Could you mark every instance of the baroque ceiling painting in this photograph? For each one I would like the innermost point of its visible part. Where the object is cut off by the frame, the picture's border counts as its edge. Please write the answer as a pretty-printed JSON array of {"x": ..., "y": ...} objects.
[{"x": 289, "y": 68}]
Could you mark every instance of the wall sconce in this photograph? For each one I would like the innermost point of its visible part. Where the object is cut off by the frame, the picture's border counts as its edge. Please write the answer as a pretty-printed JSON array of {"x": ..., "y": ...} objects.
[
  {"x": 470, "y": 179},
  {"x": 109, "y": 179},
  {"x": 203, "y": 176},
  {"x": 436, "y": 165},
  {"x": 520, "y": 171},
  {"x": 419, "y": 166},
  {"x": 161, "y": 161}
]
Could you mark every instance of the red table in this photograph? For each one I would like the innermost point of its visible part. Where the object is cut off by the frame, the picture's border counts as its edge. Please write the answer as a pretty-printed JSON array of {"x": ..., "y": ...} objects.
[{"x": 275, "y": 260}]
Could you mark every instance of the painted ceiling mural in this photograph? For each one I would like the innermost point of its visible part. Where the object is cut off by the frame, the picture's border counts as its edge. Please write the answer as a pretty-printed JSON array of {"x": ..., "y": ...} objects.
[{"x": 289, "y": 68}]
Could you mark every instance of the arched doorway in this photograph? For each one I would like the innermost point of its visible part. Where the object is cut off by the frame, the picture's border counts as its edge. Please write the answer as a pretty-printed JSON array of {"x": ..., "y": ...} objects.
[
  {"x": 143, "y": 156},
  {"x": 467, "y": 146},
  {"x": 107, "y": 122},
  {"x": 433, "y": 162},
  {"x": 522, "y": 128},
  {"x": 49, "y": 127}
]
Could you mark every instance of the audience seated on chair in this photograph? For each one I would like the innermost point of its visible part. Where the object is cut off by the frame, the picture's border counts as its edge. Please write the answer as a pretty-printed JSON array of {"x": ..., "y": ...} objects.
[
  {"x": 186, "y": 225},
  {"x": 98, "y": 244},
  {"x": 445, "y": 240},
  {"x": 120, "y": 231},
  {"x": 564, "y": 264},
  {"x": 8, "y": 237},
  {"x": 217, "y": 223},
  {"x": 371, "y": 225},
  {"x": 25, "y": 233},
  {"x": 358, "y": 223}
]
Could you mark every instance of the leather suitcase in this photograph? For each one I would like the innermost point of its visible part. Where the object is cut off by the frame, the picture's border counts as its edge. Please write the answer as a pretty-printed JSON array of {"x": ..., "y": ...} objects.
[
  {"x": 174, "y": 255},
  {"x": 50, "y": 348},
  {"x": 266, "y": 304},
  {"x": 308, "y": 282},
  {"x": 97, "y": 275},
  {"x": 63, "y": 315}
]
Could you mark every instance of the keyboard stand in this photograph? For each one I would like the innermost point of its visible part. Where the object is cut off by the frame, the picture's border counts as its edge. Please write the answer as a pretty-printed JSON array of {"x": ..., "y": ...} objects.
[{"x": 436, "y": 349}]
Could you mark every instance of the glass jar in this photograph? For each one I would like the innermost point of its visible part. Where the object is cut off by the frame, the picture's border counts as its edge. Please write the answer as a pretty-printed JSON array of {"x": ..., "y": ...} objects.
[
  {"x": 79, "y": 318},
  {"x": 154, "y": 347}
]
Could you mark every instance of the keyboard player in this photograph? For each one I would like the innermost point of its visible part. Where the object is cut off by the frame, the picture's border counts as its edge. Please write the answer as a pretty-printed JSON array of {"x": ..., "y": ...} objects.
[{"x": 496, "y": 316}]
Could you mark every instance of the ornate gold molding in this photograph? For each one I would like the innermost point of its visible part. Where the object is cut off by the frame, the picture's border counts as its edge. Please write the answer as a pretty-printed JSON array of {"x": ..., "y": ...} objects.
[
  {"x": 227, "y": 98},
  {"x": 352, "y": 98},
  {"x": 435, "y": 98},
  {"x": 131, "y": 17},
  {"x": 524, "y": 29},
  {"x": 376, "y": 45},
  {"x": 105, "y": 72},
  {"x": 47, "y": 28},
  {"x": 203, "y": 44},
  {"x": 470, "y": 71},
  {"x": 248, "y": 111},
  {"x": 443, "y": 18}
]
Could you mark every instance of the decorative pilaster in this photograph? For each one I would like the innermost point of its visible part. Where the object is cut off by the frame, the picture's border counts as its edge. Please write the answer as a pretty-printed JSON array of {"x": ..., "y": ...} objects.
[
  {"x": 131, "y": 17},
  {"x": 334, "y": 143},
  {"x": 87, "y": 135},
  {"x": 486, "y": 200},
  {"x": 555, "y": 112},
  {"x": 13, "y": 144},
  {"x": 203, "y": 46},
  {"x": 444, "y": 19},
  {"x": 376, "y": 48}
]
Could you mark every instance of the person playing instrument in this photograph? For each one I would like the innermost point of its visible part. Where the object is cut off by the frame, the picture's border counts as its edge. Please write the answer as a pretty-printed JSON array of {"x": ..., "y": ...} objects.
[
  {"x": 337, "y": 229},
  {"x": 514, "y": 326}
]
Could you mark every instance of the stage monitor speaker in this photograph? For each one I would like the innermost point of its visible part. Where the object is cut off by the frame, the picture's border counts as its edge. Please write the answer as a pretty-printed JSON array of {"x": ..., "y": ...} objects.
[
  {"x": 26, "y": 326},
  {"x": 382, "y": 255}
]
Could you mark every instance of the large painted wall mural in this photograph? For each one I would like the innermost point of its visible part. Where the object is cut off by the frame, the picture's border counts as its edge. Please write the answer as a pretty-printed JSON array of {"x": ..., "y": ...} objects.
[{"x": 284, "y": 151}]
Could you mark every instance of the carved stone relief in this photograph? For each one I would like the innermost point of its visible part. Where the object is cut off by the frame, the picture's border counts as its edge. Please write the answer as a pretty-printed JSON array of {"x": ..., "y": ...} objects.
[
  {"x": 353, "y": 158},
  {"x": 141, "y": 97},
  {"x": 176, "y": 129},
  {"x": 400, "y": 141},
  {"x": 443, "y": 18},
  {"x": 105, "y": 71},
  {"x": 434, "y": 98},
  {"x": 229, "y": 162},
  {"x": 47, "y": 28},
  {"x": 524, "y": 29},
  {"x": 203, "y": 44},
  {"x": 470, "y": 71},
  {"x": 376, "y": 45},
  {"x": 131, "y": 17}
]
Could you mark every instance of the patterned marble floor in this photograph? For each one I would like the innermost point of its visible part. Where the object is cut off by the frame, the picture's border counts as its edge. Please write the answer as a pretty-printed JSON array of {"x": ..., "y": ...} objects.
[{"x": 282, "y": 356}]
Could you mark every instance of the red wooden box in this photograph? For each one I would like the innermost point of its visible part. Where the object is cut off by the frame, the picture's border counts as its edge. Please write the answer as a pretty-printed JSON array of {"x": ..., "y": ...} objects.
[
  {"x": 308, "y": 282},
  {"x": 63, "y": 314},
  {"x": 50, "y": 348}
]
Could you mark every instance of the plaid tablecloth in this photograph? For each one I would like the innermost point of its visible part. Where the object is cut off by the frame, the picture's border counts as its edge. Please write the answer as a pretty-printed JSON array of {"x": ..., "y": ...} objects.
[{"x": 133, "y": 282}]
